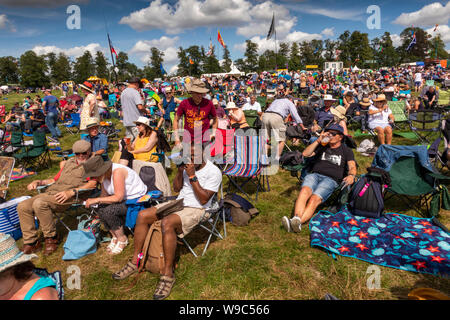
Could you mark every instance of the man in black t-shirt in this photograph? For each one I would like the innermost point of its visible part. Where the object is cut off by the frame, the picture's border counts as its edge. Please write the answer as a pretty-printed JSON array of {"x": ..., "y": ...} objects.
[
  {"x": 430, "y": 98},
  {"x": 334, "y": 163}
]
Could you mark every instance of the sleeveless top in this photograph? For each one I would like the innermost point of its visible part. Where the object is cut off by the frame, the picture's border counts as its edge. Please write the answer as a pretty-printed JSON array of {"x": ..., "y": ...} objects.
[
  {"x": 168, "y": 106},
  {"x": 42, "y": 283},
  {"x": 134, "y": 187},
  {"x": 146, "y": 156}
]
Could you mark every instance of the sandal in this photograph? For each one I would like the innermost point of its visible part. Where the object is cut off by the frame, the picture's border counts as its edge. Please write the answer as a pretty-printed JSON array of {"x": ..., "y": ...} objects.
[
  {"x": 164, "y": 288},
  {"x": 129, "y": 269},
  {"x": 119, "y": 247},
  {"x": 111, "y": 245}
]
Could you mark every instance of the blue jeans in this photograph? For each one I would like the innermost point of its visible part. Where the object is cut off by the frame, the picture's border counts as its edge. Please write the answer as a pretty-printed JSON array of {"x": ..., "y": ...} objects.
[
  {"x": 51, "y": 120},
  {"x": 320, "y": 185}
]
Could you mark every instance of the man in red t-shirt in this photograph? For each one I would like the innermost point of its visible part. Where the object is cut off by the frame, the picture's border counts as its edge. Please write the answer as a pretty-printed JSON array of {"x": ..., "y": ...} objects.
[{"x": 197, "y": 112}]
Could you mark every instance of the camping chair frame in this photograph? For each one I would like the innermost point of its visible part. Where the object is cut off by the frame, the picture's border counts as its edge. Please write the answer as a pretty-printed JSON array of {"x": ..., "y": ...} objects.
[
  {"x": 249, "y": 166},
  {"x": 420, "y": 121},
  {"x": 28, "y": 159},
  {"x": 73, "y": 126}
]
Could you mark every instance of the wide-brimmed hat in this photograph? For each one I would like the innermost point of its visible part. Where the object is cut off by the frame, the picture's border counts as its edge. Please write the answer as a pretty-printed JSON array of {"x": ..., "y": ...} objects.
[
  {"x": 144, "y": 121},
  {"x": 380, "y": 97},
  {"x": 328, "y": 97},
  {"x": 168, "y": 90},
  {"x": 93, "y": 122},
  {"x": 339, "y": 112},
  {"x": 231, "y": 105},
  {"x": 95, "y": 167},
  {"x": 87, "y": 86},
  {"x": 365, "y": 102},
  {"x": 197, "y": 85},
  {"x": 10, "y": 255}
]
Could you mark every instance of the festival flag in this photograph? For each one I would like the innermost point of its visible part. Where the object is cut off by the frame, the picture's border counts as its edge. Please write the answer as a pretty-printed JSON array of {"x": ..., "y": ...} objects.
[
  {"x": 380, "y": 49},
  {"x": 435, "y": 28},
  {"x": 162, "y": 69},
  {"x": 190, "y": 61},
  {"x": 413, "y": 42},
  {"x": 272, "y": 28},
  {"x": 112, "y": 48},
  {"x": 219, "y": 38}
]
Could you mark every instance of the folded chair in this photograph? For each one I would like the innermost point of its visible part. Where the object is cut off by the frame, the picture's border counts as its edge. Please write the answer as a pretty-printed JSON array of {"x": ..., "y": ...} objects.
[
  {"x": 36, "y": 155},
  {"x": 250, "y": 162},
  {"x": 251, "y": 116},
  {"x": 425, "y": 123},
  {"x": 414, "y": 180}
]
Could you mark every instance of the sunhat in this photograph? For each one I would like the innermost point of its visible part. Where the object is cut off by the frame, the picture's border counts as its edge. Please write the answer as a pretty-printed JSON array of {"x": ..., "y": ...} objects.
[
  {"x": 328, "y": 97},
  {"x": 197, "y": 85},
  {"x": 93, "y": 122},
  {"x": 365, "y": 102},
  {"x": 339, "y": 112},
  {"x": 380, "y": 97},
  {"x": 10, "y": 255},
  {"x": 87, "y": 86},
  {"x": 144, "y": 121},
  {"x": 95, "y": 167},
  {"x": 231, "y": 105}
]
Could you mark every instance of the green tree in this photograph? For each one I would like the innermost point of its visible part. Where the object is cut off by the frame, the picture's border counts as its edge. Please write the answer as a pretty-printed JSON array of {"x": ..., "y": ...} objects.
[
  {"x": 226, "y": 65},
  {"x": 153, "y": 69},
  {"x": 101, "y": 65},
  {"x": 344, "y": 48},
  {"x": 9, "y": 70},
  {"x": 437, "y": 48},
  {"x": 211, "y": 64},
  {"x": 122, "y": 66},
  {"x": 84, "y": 67},
  {"x": 294, "y": 58},
  {"x": 194, "y": 53},
  {"x": 330, "y": 49},
  {"x": 360, "y": 50},
  {"x": 251, "y": 57},
  {"x": 62, "y": 69},
  {"x": 283, "y": 55},
  {"x": 51, "y": 61},
  {"x": 267, "y": 61},
  {"x": 33, "y": 70},
  {"x": 183, "y": 65}
]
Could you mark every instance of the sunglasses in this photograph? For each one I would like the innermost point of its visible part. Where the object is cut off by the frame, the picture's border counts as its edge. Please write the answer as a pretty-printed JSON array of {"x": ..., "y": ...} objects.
[
  {"x": 334, "y": 134},
  {"x": 82, "y": 153}
]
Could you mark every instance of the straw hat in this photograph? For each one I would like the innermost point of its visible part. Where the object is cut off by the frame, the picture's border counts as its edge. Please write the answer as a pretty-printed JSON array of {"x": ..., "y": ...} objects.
[
  {"x": 365, "y": 102},
  {"x": 10, "y": 255},
  {"x": 92, "y": 122},
  {"x": 96, "y": 167},
  {"x": 144, "y": 121},
  {"x": 328, "y": 97},
  {"x": 197, "y": 85},
  {"x": 231, "y": 105},
  {"x": 338, "y": 111},
  {"x": 380, "y": 97},
  {"x": 87, "y": 86}
]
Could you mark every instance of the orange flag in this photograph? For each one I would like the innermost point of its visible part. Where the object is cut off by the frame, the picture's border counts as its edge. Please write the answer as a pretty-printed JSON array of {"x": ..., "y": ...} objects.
[
  {"x": 190, "y": 61},
  {"x": 219, "y": 38}
]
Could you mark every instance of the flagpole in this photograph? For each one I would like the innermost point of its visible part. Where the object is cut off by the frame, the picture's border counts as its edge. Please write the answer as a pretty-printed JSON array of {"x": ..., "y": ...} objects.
[
  {"x": 276, "y": 49},
  {"x": 112, "y": 58}
]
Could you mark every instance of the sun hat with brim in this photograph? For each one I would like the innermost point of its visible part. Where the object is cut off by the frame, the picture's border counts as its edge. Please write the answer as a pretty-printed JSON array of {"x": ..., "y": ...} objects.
[
  {"x": 95, "y": 167},
  {"x": 87, "y": 86},
  {"x": 231, "y": 105},
  {"x": 143, "y": 120},
  {"x": 10, "y": 255},
  {"x": 92, "y": 123},
  {"x": 335, "y": 127},
  {"x": 365, "y": 102},
  {"x": 338, "y": 111},
  {"x": 328, "y": 97},
  {"x": 380, "y": 97},
  {"x": 197, "y": 86}
]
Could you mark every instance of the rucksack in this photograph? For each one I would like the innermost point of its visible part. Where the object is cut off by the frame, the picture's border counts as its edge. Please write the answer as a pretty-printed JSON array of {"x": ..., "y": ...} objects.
[
  {"x": 291, "y": 158},
  {"x": 366, "y": 198},
  {"x": 238, "y": 210},
  {"x": 153, "y": 253}
]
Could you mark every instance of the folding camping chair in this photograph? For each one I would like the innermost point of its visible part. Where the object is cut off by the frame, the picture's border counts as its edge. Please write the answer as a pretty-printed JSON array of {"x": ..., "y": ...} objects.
[
  {"x": 73, "y": 126},
  {"x": 251, "y": 116},
  {"x": 250, "y": 162},
  {"x": 414, "y": 180},
  {"x": 444, "y": 98},
  {"x": 36, "y": 155},
  {"x": 16, "y": 142},
  {"x": 424, "y": 123}
]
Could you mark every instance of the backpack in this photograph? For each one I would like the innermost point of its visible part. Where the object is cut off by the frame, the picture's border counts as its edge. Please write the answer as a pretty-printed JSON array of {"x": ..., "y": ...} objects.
[
  {"x": 366, "y": 198},
  {"x": 238, "y": 210},
  {"x": 153, "y": 253}
]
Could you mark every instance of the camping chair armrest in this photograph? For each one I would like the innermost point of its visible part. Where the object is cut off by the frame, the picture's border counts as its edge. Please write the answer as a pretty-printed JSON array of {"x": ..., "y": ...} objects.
[
  {"x": 42, "y": 188},
  {"x": 439, "y": 176}
]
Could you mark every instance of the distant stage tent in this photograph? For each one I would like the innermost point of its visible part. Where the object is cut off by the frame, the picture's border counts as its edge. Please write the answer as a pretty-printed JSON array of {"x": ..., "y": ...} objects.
[{"x": 98, "y": 80}]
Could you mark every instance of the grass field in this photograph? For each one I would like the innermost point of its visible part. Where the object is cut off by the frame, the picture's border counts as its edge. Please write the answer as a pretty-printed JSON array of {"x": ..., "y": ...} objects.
[{"x": 260, "y": 261}]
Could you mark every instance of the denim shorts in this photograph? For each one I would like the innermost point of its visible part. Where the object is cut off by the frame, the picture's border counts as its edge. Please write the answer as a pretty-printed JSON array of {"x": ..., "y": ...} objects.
[{"x": 320, "y": 185}]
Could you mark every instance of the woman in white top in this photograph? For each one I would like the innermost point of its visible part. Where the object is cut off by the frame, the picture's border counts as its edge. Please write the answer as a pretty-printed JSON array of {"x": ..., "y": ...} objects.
[
  {"x": 119, "y": 184},
  {"x": 380, "y": 119},
  {"x": 89, "y": 110}
]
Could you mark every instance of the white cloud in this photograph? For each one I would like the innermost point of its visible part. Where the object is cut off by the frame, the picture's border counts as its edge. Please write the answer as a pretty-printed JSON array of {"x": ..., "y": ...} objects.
[
  {"x": 5, "y": 23},
  {"x": 442, "y": 30},
  {"x": 429, "y": 15},
  {"x": 396, "y": 40},
  {"x": 74, "y": 52},
  {"x": 173, "y": 70},
  {"x": 189, "y": 14},
  {"x": 328, "y": 32},
  {"x": 165, "y": 44}
]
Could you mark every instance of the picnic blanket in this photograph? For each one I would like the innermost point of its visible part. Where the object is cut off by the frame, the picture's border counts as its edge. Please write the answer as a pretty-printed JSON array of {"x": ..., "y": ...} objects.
[
  {"x": 394, "y": 240},
  {"x": 18, "y": 174}
]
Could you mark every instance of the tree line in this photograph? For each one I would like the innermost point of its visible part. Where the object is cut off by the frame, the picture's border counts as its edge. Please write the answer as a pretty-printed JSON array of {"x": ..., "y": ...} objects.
[{"x": 352, "y": 48}]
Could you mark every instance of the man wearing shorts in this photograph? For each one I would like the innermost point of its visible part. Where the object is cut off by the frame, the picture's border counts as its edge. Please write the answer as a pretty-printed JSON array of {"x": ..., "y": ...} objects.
[
  {"x": 197, "y": 182},
  {"x": 333, "y": 164},
  {"x": 273, "y": 119}
]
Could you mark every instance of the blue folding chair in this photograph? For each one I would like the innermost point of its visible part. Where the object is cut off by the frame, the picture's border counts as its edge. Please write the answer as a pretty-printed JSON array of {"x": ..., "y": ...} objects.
[{"x": 73, "y": 126}]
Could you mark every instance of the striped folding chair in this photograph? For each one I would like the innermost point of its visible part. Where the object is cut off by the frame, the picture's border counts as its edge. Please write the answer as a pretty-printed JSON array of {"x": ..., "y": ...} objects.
[{"x": 250, "y": 161}]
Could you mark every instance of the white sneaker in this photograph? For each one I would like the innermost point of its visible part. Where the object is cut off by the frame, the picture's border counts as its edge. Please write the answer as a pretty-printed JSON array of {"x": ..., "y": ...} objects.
[
  {"x": 296, "y": 224},
  {"x": 286, "y": 224}
]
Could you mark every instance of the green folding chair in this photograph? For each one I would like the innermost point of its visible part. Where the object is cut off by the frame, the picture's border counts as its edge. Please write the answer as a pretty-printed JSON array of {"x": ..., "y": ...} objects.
[
  {"x": 36, "y": 155},
  {"x": 251, "y": 116}
]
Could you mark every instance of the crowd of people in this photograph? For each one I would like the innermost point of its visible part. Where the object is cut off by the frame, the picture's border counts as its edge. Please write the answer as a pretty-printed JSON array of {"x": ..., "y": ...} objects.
[{"x": 318, "y": 104}]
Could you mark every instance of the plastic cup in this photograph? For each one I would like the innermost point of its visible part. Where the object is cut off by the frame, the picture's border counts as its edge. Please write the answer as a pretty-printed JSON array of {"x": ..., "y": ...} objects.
[
  {"x": 127, "y": 141},
  {"x": 325, "y": 141}
]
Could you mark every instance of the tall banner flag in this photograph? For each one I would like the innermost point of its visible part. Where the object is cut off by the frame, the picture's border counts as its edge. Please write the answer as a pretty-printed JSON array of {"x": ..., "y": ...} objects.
[
  {"x": 190, "y": 61},
  {"x": 272, "y": 28},
  {"x": 162, "y": 69},
  {"x": 112, "y": 48},
  {"x": 413, "y": 42},
  {"x": 219, "y": 38},
  {"x": 435, "y": 28}
]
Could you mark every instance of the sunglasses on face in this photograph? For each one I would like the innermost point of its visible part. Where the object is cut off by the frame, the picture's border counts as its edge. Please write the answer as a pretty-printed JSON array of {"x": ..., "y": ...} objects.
[
  {"x": 334, "y": 134},
  {"x": 82, "y": 154}
]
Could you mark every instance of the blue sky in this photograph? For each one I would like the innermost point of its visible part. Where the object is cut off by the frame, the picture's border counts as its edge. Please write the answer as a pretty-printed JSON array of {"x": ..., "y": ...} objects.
[{"x": 135, "y": 26}]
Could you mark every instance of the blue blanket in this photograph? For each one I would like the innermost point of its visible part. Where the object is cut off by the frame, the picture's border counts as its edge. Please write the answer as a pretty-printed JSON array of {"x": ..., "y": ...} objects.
[{"x": 394, "y": 240}]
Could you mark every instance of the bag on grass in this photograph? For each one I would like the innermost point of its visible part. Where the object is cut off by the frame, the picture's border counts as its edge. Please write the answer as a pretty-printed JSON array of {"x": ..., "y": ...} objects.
[
  {"x": 238, "y": 210},
  {"x": 153, "y": 253},
  {"x": 83, "y": 241},
  {"x": 9, "y": 218}
]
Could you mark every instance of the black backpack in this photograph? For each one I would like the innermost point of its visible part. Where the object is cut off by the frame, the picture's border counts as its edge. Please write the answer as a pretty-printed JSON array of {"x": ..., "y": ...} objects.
[
  {"x": 238, "y": 210},
  {"x": 366, "y": 197}
]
